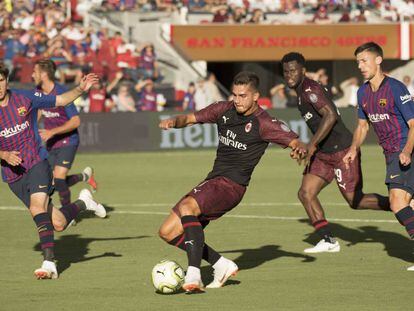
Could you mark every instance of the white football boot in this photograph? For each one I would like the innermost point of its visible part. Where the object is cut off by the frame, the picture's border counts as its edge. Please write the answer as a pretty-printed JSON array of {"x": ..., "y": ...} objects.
[
  {"x": 223, "y": 269},
  {"x": 47, "y": 271},
  {"x": 324, "y": 247},
  {"x": 192, "y": 281},
  {"x": 86, "y": 196},
  {"x": 410, "y": 268}
]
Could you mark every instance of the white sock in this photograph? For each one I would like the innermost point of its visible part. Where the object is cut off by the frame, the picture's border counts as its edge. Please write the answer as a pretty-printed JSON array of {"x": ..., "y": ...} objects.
[{"x": 193, "y": 273}]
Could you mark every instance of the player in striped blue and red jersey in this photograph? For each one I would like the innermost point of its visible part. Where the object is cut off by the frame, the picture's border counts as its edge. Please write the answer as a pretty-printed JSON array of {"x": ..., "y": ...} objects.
[
  {"x": 25, "y": 168},
  {"x": 60, "y": 132},
  {"x": 386, "y": 104}
]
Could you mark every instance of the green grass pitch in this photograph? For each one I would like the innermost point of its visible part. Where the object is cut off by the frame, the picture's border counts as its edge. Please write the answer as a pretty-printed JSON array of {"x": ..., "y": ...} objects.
[{"x": 105, "y": 264}]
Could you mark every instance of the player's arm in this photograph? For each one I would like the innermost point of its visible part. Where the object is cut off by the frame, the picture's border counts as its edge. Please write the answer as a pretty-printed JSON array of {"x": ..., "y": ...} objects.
[
  {"x": 329, "y": 117},
  {"x": 11, "y": 157},
  {"x": 405, "y": 104},
  {"x": 70, "y": 125},
  {"x": 179, "y": 121},
  {"x": 71, "y": 95},
  {"x": 405, "y": 155},
  {"x": 360, "y": 134}
]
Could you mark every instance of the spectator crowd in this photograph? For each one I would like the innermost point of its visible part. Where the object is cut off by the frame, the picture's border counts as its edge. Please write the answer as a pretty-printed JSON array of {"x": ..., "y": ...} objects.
[{"x": 36, "y": 29}]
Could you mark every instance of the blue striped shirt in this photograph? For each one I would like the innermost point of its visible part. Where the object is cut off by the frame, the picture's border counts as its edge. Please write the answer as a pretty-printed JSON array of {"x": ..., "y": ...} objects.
[
  {"x": 57, "y": 116},
  {"x": 19, "y": 132},
  {"x": 388, "y": 110}
]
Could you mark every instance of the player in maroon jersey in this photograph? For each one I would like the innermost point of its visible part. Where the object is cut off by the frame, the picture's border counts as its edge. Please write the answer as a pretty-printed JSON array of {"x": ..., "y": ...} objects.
[
  {"x": 330, "y": 142},
  {"x": 25, "y": 168},
  {"x": 244, "y": 130}
]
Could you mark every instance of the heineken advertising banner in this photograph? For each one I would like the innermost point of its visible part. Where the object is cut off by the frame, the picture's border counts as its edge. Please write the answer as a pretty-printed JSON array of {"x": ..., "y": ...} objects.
[{"x": 128, "y": 131}]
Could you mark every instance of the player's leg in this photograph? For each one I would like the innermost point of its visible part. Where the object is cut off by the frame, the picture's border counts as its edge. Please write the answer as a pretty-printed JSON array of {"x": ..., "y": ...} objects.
[
  {"x": 400, "y": 182},
  {"x": 38, "y": 209},
  {"x": 318, "y": 175},
  {"x": 33, "y": 189},
  {"x": 400, "y": 205},
  {"x": 350, "y": 183},
  {"x": 194, "y": 242},
  {"x": 63, "y": 216},
  {"x": 87, "y": 175},
  {"x": 172, "y": 232},
  {"x": 308, "y": 195},
  {"x": 61, "y": 186}
]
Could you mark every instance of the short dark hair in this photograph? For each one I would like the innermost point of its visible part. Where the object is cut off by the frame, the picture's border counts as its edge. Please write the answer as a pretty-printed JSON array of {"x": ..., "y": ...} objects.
[
  {"x": 4, "y": 71},
  {"x": 247, "y": 78},
  {"x": 370, "y": 47},
  {"x": 293, "y": 56},
  {"x": 48, "y": 66}
]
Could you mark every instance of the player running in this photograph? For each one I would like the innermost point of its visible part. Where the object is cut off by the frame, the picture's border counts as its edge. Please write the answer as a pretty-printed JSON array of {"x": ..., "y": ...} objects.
[
  {"x": 330, "y": 142},
  {"x": 386, "y": 104},
  {"x": 60, "y": 133},
  {"x": 244, "y": 130},
  {"x": 25, "y": 168}
]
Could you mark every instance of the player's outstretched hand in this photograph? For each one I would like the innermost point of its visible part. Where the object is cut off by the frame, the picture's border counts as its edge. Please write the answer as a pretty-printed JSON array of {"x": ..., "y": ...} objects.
[
  {"x": 349, "y": 157},
  {"x": 298, "y": 152},
  {"x": 12, "y": 157},
  {"x": 87, "y": 81},
  {"x": 405, "y": 158},
  {"x": 167, "y": 124}
]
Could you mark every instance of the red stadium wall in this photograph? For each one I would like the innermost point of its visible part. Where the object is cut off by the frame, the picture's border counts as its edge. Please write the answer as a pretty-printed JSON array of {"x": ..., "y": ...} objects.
[{"x": 271, "y": 42}]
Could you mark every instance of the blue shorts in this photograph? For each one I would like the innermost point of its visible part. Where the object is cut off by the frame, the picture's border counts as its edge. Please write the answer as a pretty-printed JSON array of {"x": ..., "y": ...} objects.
[
  {"x": 37, "y": 179},
  {"x": 62, "y": 156},
  {"x": 399, "y": 176}
]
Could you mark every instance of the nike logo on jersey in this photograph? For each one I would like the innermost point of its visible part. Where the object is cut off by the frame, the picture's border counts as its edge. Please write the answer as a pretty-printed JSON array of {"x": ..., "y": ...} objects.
[
  {"x": 191, "y": 242},
  {"x": 308, "y": 89},
  {"x": 393, "y": 176},
  {"x": 405, "y": 98},
  {"x": 65, "y": 162},
  {"x": 225, "y": 119},
  {"x": 42, "y": 186}
]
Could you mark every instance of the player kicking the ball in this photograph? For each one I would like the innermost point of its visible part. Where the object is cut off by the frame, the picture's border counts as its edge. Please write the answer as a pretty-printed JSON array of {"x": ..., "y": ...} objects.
[{"x": 244, "y": 130}]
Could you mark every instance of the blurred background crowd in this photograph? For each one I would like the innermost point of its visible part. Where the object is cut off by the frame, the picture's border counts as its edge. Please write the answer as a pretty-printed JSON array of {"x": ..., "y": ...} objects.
[{"x": 130, "y": 71}]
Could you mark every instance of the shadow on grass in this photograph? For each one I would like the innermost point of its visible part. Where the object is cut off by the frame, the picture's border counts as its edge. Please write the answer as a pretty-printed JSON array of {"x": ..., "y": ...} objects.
[
  {"x": 254, "y": 257},
  {"x": 73, "y": 248},
  {"x": 395, "y": 244}
]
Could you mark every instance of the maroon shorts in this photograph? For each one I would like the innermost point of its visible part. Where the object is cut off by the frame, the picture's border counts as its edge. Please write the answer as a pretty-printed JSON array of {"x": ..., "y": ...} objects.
[
  {"x": 330, "y": 165},
  {"x": 215, "y": 197}
]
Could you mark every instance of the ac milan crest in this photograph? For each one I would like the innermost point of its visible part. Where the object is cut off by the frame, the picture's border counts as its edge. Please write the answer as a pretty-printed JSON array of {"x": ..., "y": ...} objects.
[{"x": 248, "y": 127}]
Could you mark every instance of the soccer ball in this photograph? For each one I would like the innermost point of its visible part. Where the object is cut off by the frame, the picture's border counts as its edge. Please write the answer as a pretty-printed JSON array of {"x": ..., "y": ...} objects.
[{"x": 167, "y": 277}]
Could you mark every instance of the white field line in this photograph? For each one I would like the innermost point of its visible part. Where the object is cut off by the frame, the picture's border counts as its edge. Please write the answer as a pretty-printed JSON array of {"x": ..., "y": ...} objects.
[{"x": 265, "y": 217}]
